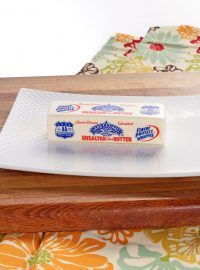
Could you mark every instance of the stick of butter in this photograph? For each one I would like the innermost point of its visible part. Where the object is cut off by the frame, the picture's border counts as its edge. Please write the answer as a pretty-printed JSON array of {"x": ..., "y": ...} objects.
[{"x": 106, "y": 122}]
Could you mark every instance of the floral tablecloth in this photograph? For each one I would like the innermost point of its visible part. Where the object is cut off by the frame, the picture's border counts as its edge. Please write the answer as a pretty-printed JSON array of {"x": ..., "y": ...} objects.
[{"x": 163, "y": 49}]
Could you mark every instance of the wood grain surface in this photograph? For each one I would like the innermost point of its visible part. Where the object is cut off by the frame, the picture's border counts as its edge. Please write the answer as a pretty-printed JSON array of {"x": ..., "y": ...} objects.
[{"x": 31, "y": 202}]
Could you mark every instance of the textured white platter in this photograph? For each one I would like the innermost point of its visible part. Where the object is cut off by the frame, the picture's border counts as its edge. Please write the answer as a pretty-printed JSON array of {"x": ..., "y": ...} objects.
[{"x": 24, "y": 146}]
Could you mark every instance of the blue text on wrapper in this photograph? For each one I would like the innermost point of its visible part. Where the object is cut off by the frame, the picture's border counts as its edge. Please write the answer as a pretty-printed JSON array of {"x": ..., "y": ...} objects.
[{"x": 147, "y": 133}]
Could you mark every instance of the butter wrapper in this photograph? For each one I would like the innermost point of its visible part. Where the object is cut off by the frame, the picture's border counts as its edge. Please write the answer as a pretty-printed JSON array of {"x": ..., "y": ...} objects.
[{"x": 106, "y": 122}]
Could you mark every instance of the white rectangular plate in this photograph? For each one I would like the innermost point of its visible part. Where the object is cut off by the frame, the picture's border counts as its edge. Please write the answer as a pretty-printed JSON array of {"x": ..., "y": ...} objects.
[{"x": 24, "y": 145}]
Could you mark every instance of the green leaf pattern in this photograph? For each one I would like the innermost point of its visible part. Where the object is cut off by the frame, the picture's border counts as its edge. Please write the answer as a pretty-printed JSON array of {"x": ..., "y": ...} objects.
[{"x": 148, "y": 260}]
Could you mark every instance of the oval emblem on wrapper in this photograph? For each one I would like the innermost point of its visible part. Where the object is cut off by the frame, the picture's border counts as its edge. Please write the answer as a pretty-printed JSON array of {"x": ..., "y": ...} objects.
[
  {"x": 150, "y": 110},
  {"x": 68, "y": 108},
  {"x": 147, "y": 133},
  {"x": 107, "y": 108}
]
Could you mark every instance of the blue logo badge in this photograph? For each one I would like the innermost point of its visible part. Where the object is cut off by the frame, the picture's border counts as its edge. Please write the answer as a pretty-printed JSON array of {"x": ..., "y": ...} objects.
[
  {"x": 64, "y": 129},
  {"x": 107, "y": 108},
  {"x": 106, "y": 129},
  {"x": 68, "y": 108},
  {"x": 150, "y": 110},
  {"x": 147, "y": 133}
]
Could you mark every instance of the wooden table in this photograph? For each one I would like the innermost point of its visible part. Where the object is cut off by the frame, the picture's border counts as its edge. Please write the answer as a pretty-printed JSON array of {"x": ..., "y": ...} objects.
[{"x": 31, "y": 202}]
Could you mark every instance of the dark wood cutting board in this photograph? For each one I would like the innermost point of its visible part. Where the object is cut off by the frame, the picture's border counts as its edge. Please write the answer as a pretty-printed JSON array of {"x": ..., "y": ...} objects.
[{"x": 31, "y": 202}]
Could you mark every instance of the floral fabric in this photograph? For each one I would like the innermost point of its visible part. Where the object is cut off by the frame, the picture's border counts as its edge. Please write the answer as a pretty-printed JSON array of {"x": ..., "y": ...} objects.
[
  {"x": 163, "y": 49},
  {"x": 161, "y": 249}
]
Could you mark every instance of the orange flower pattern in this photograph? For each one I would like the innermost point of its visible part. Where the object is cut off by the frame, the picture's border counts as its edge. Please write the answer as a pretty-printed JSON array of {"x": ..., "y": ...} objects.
[
  {"x": 182, "y": 243},
  {"x": 17, "y": 249},
  {"x": 117, "y": 236},
  {"x": 188, "y": 32},
  {"x": 123, "y": 38},
  {"x": 70, "y": 251}
]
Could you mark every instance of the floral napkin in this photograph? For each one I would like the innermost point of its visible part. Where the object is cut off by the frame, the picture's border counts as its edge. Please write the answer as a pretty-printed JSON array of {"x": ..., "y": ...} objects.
[{"x": 162, "y": 49}]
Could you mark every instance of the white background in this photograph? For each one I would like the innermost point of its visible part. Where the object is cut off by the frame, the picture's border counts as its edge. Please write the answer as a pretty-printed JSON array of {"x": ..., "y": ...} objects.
[{"x": 56, "y": 37}]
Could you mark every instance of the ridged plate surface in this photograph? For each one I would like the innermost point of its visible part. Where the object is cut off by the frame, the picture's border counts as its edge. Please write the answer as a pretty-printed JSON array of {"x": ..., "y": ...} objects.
[{"x": 24, "y": 146}]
